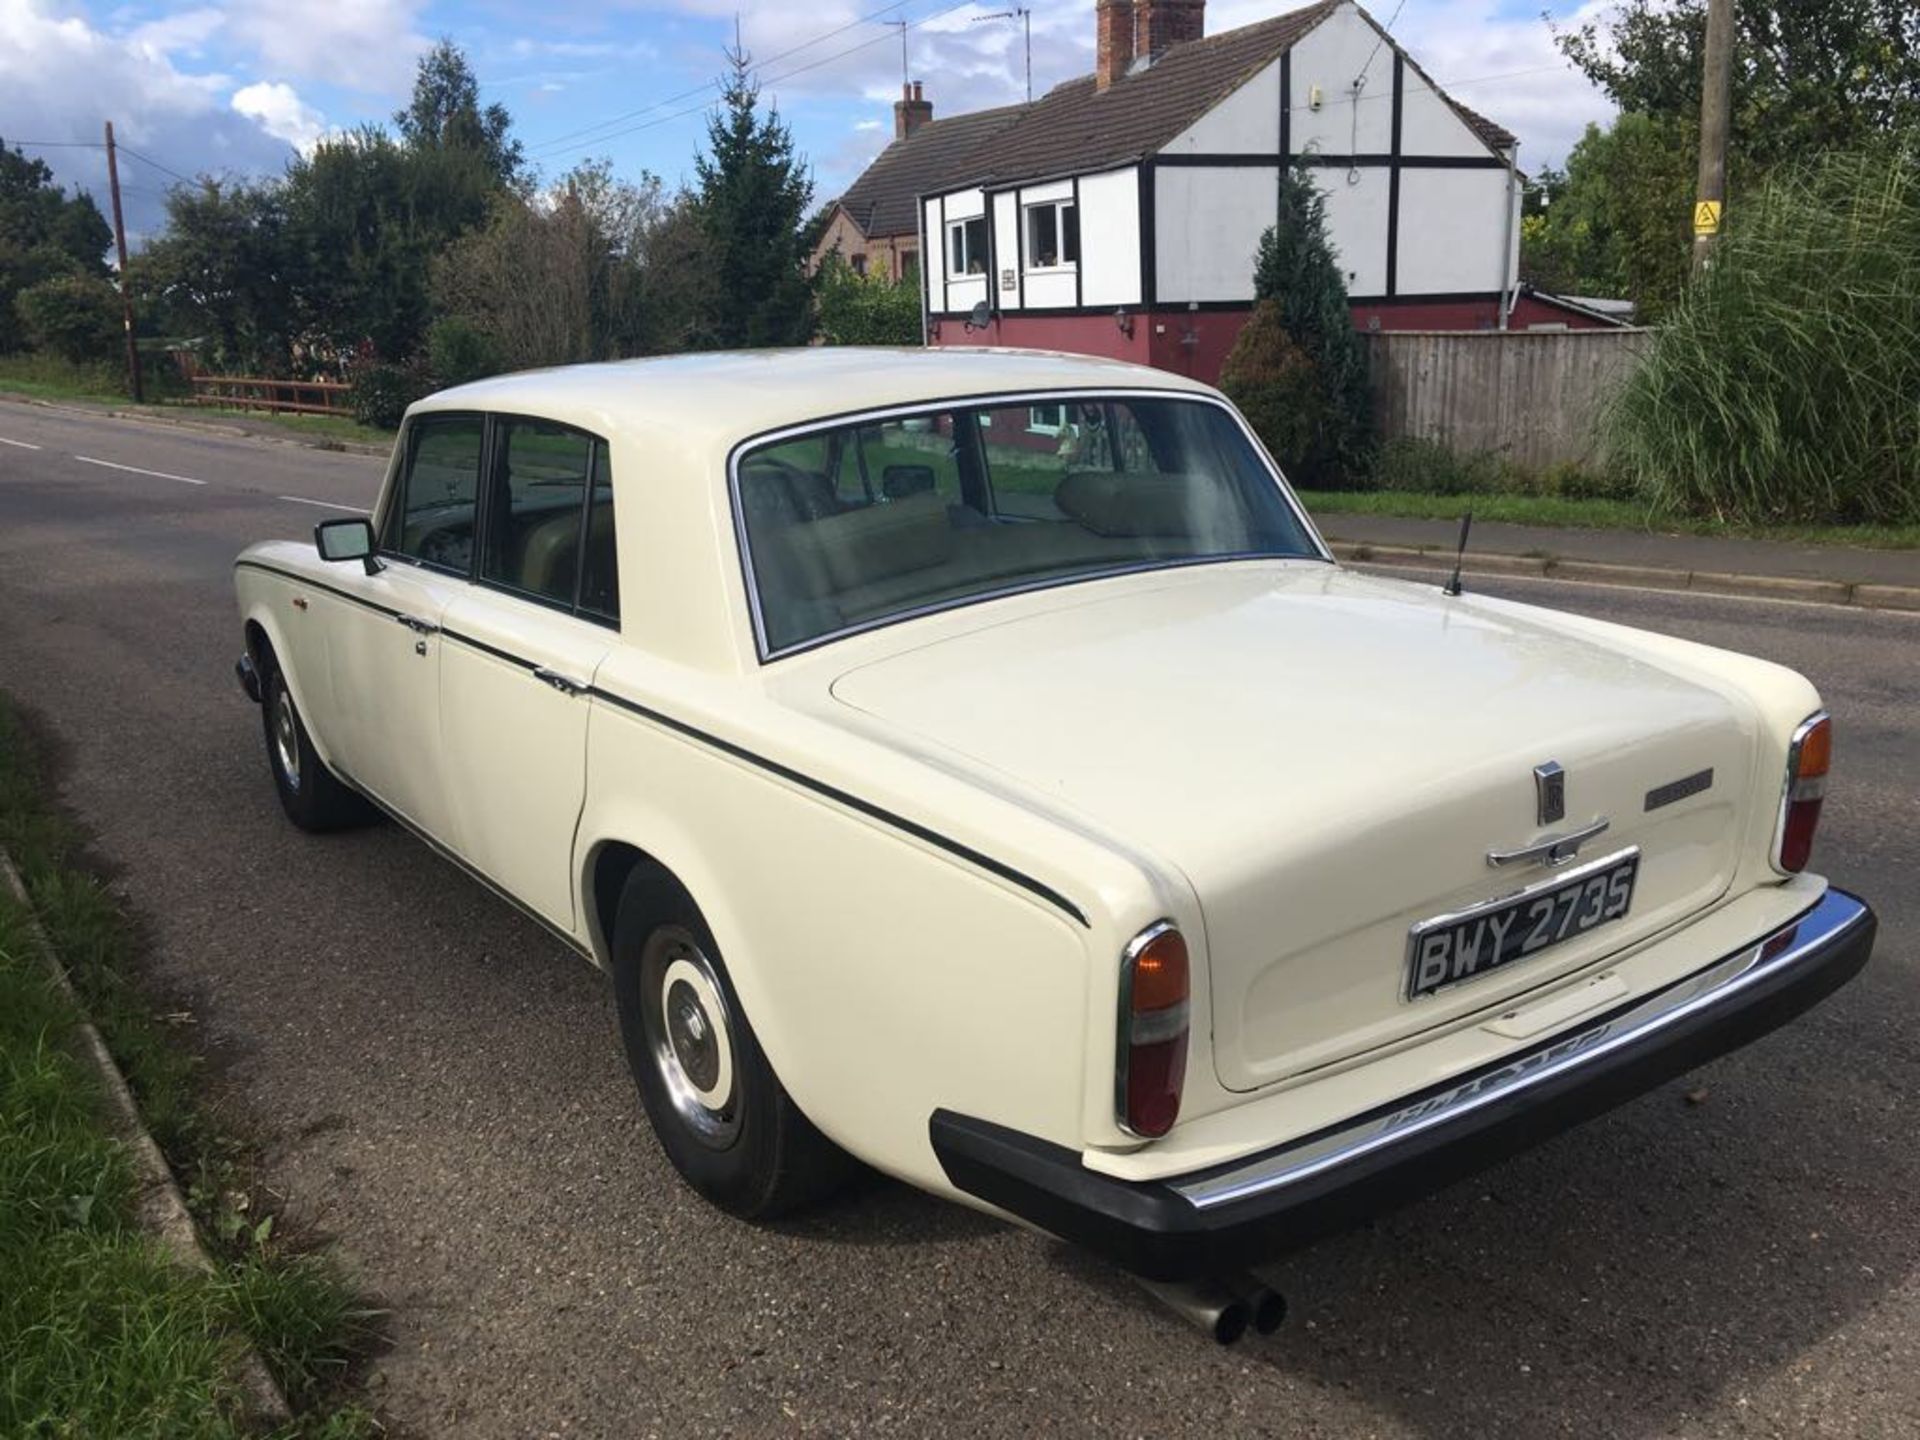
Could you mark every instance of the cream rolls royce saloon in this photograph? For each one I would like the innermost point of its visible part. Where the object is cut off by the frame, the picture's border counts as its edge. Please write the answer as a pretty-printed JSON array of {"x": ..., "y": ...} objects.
[{"x": 975, "y": 764}]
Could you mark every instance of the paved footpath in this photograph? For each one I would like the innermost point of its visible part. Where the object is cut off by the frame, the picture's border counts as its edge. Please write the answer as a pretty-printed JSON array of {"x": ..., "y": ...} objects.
[{"x": 1736, "y": 555}]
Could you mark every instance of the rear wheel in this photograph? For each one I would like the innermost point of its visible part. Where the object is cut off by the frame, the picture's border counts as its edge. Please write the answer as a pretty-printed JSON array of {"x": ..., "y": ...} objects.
[
  {"x": 313, "y": 797},
  {"x": 722, "y": 1116}
]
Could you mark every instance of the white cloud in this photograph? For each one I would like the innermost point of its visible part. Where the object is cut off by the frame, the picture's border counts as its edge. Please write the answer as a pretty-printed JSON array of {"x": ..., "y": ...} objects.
[
  {"x": 281, "y": 112},
  {"x": 60, "y": 77},
  {"x": 367, "y": 45}
]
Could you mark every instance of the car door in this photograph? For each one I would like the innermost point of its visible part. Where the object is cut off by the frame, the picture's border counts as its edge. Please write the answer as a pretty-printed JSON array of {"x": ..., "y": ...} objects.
[
  {"x": 521, "y": 648},
  {"x": 384, "y": 652}
]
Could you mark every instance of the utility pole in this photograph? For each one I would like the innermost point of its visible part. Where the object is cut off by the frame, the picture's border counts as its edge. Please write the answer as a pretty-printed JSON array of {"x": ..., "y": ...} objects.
[
  {"x": 126, "y": 292},
  {"x": 1716, "y": 99}
]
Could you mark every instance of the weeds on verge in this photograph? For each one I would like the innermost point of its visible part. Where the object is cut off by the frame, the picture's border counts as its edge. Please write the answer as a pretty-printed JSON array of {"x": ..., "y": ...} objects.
[{"x": 100, "y": 1332}]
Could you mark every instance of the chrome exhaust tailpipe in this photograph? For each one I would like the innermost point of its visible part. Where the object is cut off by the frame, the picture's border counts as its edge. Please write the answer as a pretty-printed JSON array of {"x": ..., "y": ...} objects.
[
  {"x": 1266, "y": 1306},
  {"x": 1214, "y": 1307}
]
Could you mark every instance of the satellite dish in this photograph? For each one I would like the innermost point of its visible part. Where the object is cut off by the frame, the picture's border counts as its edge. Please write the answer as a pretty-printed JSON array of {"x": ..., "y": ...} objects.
[{"x": 980, "y": 317}]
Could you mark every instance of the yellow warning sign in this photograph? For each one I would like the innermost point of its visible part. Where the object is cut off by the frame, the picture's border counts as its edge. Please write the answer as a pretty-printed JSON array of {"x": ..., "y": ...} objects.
[{"x": 1706, "y": 217}]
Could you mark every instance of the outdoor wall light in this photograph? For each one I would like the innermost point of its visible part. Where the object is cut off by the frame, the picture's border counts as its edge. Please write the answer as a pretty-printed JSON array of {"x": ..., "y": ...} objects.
[{"x": 1123, "y": 322}]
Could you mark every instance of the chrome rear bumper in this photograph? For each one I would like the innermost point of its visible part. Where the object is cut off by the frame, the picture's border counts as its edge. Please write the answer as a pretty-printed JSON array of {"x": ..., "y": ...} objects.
[{"x": 1224, "y": 1218}]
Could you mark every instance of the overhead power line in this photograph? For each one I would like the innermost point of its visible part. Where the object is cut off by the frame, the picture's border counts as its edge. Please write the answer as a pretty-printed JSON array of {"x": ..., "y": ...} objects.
[{"x": 699, "y": 89}]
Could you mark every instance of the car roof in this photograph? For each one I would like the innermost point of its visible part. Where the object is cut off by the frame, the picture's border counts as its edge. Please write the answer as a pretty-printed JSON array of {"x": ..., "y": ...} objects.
[{"x": 727, "y": 396}]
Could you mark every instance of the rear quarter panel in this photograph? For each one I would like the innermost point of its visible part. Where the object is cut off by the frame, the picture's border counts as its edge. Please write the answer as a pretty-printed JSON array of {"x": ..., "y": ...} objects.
[{"x": 884, "y": 977}]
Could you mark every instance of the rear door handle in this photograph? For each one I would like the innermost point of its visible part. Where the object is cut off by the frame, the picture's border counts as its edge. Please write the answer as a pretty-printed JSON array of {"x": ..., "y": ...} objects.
[
  {"x": 559, "y": 682},
  {"x": 417, "y": 625}
]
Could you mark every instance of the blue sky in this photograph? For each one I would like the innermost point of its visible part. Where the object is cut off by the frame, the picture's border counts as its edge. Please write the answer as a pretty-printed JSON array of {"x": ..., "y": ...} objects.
[{"x": 230, "y": 86}]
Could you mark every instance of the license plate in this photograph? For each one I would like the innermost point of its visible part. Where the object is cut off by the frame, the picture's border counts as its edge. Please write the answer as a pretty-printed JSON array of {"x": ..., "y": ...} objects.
[{"x": 1451, "y": 949}]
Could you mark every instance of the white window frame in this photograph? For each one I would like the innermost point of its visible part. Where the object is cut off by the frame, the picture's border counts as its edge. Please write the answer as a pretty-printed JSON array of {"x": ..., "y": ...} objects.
[
  {"x": 1059, "y": 207},
  {"x": 957, "y": 243},
  {"x": 1038, "y": 426}
]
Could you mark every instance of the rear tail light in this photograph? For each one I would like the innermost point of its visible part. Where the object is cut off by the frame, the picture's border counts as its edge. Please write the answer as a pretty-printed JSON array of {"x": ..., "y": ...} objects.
[
  {"x": 1152, "y": 1060},
  {"x": 1808, "y": 760}
]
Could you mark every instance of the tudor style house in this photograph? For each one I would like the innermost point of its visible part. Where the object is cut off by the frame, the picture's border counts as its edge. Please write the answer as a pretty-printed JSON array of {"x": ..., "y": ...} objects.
[{"x": 1119, "y": 214}]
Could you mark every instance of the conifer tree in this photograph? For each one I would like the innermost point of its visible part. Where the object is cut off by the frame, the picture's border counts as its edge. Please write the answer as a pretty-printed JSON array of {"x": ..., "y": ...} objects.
[
  {"x": 752, "y": 202},
  {"x": 1299, "y": 369}
]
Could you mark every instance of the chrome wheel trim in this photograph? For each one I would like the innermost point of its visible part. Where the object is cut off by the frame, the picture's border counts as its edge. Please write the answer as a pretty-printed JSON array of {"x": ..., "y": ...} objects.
[
  {"x": 689, "y": 1033},
  {"x": 286, "y": 737}
]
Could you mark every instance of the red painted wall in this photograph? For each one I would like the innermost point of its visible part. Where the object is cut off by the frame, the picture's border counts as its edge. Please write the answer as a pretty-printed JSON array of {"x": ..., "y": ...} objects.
[{"x": 1196, "y": 342}]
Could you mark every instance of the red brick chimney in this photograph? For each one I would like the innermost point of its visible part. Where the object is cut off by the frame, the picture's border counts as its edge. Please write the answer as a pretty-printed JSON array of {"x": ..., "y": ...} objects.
[
  {"x": 1159, "y": 24},
  {"x": 910, "y": 111},
  {"x": 1113, "y": 41}
]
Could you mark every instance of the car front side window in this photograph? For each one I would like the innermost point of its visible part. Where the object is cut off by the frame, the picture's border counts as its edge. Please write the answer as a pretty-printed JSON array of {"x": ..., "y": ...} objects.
[{"x": 433, "y": 521}]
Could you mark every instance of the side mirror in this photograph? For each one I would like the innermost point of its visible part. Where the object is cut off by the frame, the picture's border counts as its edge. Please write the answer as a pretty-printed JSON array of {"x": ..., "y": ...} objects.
[{"x": 346, "y": 540}]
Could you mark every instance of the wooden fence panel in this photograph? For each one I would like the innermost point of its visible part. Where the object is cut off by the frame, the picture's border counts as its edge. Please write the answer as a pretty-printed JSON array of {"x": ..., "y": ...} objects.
[
  {"x": 290, "y": 397},
  {"x": 1529, "y": 396}
]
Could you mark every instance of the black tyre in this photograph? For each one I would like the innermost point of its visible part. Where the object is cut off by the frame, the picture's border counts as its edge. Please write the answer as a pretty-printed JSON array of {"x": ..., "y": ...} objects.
[
  {"x": 722, "y": 1115},
  {"x": 311, "y": 794}
]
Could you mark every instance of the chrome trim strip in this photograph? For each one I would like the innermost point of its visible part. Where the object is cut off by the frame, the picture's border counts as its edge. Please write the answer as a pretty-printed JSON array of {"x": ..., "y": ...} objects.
[
  {"x": 1794, "y": 746},
  {"x": 1782, "y": 949},
  {"x": 991, "y": 398},
  {"x": 1123, "y": 1034}
]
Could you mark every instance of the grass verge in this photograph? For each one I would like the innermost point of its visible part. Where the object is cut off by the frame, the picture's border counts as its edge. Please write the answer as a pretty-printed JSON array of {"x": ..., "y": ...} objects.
[
  {"x": 101, "y": 1333},
  {"x": 1560, "y": 512},
  {"x": 43, "y": 377}
]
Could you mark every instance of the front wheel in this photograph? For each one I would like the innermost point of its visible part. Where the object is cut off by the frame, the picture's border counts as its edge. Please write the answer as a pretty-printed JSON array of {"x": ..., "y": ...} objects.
[
  {"x": 313, "y": 797},
  {"x": 722, "y": 1116}
]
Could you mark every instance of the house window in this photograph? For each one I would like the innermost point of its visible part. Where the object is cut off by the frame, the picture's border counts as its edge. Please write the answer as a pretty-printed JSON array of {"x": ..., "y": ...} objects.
[
  {"x": 859, "y": 264},
  {"x": 909, "y": 265},
  {"x": 967, "y": 247},
  {"x": 1046, "y": 419},
  {"x": 1053, "y": 235}
]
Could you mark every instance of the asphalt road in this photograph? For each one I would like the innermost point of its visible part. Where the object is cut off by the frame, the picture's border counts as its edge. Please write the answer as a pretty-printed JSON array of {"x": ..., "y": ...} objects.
[{"x": 439, "y": 1086}]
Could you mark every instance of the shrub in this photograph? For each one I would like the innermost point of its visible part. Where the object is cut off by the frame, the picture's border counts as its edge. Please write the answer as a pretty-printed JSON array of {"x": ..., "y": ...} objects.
[
  {"x": 1426, "y": 467},
  {"x": 382, "y": 391},
  {"x": 1273, "y": 380},
  {"x": 459, "y": 351},
  {"x": 75, "y": 316},
  {"x": 1782, "y": 386},
  {"x": 856, "y": 309}
]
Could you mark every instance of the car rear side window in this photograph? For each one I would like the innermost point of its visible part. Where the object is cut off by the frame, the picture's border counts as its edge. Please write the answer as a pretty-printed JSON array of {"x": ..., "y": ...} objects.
[
  {"x": 434, "y": 521},
  {"x": 533, "y": 520}
]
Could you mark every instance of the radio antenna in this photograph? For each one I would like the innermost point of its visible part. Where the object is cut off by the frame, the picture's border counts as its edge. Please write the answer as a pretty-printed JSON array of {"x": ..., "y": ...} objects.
[{"x": 1460, "y": 556}]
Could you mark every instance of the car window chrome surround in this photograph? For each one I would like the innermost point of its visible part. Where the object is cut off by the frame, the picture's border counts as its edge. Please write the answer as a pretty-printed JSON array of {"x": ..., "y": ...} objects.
[{"x": 994, "y": 399}]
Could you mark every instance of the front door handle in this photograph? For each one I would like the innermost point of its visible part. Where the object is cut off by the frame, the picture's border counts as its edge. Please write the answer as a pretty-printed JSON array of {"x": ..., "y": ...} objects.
[
  {"x": 417, "y": 625},
  {"x": 559, "y": 682}
]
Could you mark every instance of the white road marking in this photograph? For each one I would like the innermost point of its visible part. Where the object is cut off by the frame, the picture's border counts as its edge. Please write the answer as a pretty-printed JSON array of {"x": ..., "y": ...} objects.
[
  {"x": 136, "y": 470},
  {"x": 18, "y": 444},
  {"x": 323, "y": 504}
]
